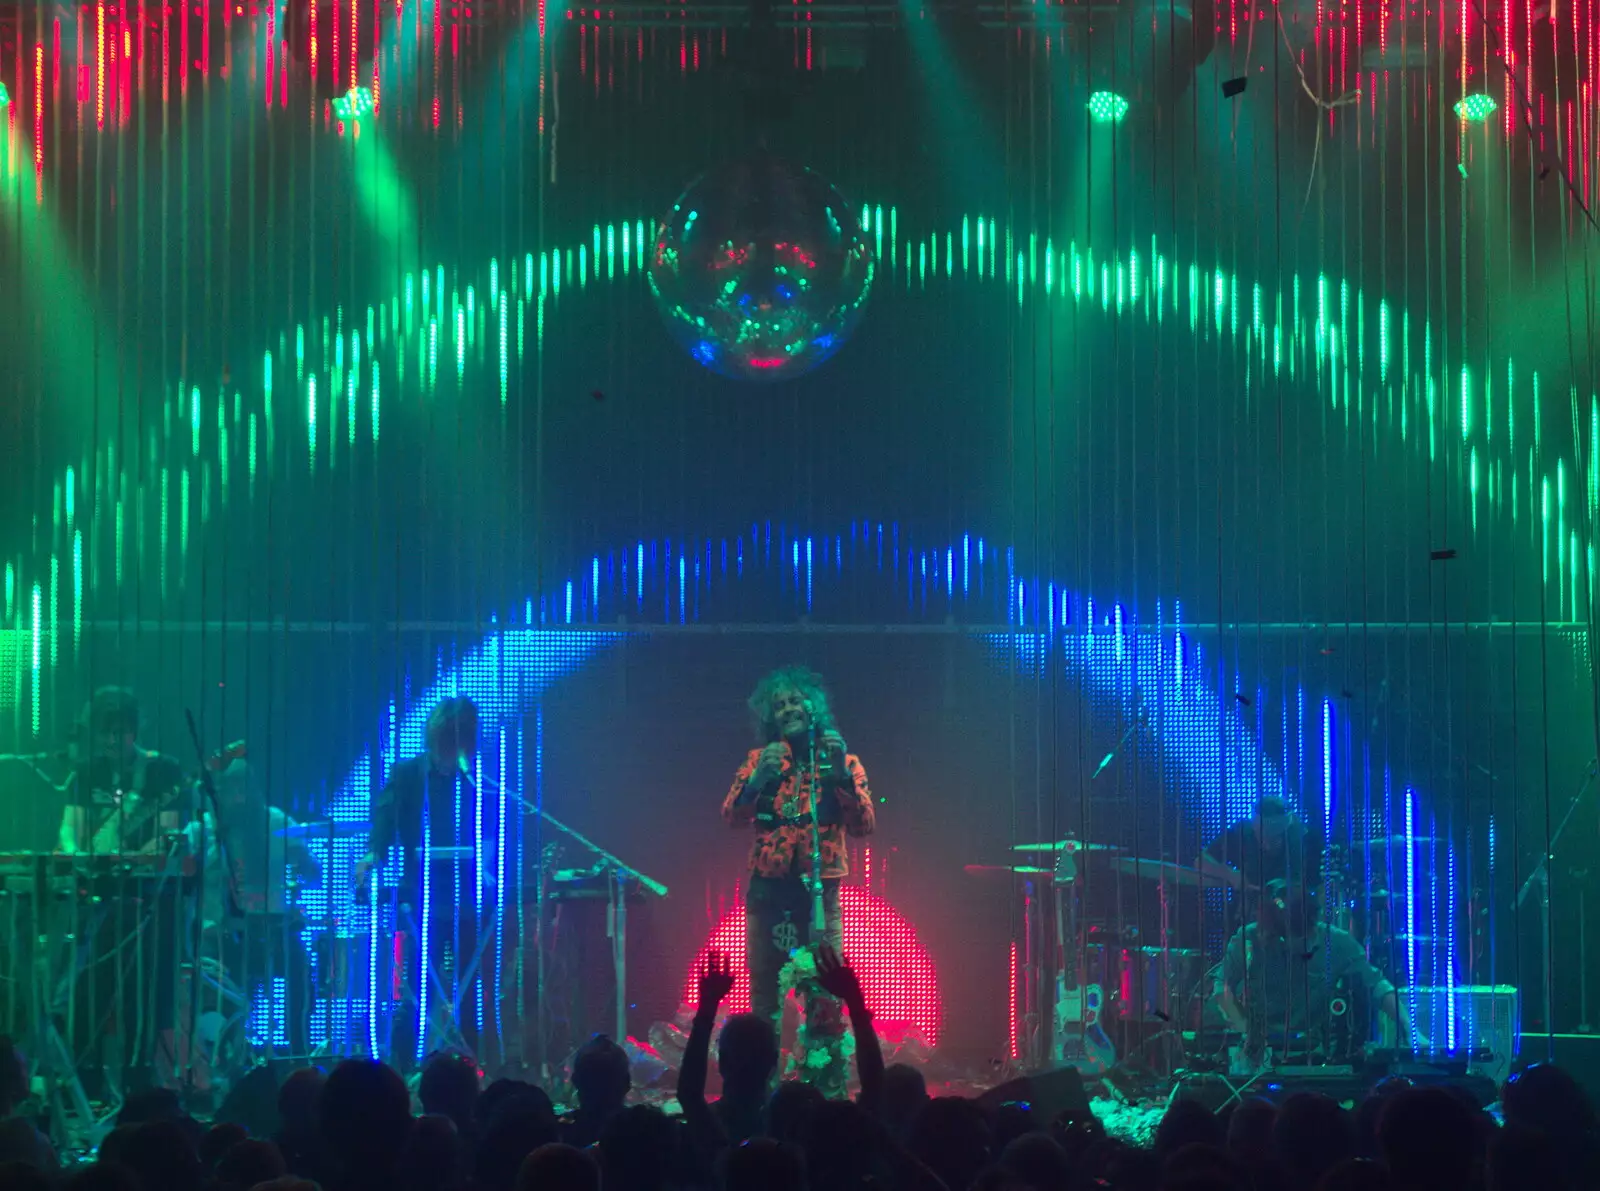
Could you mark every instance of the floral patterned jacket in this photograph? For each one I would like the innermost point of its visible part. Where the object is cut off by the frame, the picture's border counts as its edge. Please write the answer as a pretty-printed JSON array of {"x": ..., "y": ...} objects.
[{"x": 782, "y": 816}]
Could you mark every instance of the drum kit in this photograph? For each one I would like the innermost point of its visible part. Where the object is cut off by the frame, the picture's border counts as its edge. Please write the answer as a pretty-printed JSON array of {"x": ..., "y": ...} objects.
[{"x": 1103, "y": 969}]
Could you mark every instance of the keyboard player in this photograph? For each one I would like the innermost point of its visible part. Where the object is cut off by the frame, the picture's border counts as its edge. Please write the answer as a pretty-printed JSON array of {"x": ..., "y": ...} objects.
[{"x": 123, "y": 799}]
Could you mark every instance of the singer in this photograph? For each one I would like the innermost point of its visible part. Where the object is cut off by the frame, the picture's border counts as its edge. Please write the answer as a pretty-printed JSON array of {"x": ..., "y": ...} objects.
[
  {"x": 801, "y": 764},
  {"x": 446, "y": 830}
]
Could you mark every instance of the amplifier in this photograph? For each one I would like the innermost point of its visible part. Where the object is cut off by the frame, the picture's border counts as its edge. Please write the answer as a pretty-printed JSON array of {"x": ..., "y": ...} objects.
[{"x": 1480, "y": 1023}]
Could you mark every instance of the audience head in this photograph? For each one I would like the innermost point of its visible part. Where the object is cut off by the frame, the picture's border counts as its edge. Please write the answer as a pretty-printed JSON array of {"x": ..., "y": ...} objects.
[
  {"x": 1311, "y": 1136},
  {"x": 1548, "y": 1099},
  {"x": 161, "y": 1154},
  {"x": 115, "y": 1143},
  {"x": 218, "y": 1140},
  {"x": 1524, "y": 1159},
  {"x": 790, "y": 1109},
  {"x": 152, "y": 1104},
  {"x": 951, "y": 1137},
  {"x": 1250, "y": 1131},
  {"x": 1429, "y": 1139},
  {"x": 450, "y": 1088},
  {"x": 249, "y": 1164},
  {"x": 1198, "y": 1167},
  {"x": 638, "y": 1149},
  {"x": 903, "y": 1095},
  {"x": 558, "y": 1167},
  {"x": 509, "y": 1095},
  {"x": 1038, "y": 1160},
  {"x": 842, "y": 1144},
  {"x": 747, "y": 1055},
  {"x": 433, "y": 1159},
  {"x": 1186, "y": 1123},
  {"x": 363, "y": 1116},
  {"x": 297, "y": 1100},
  {"x": 600, "y": 1075},
  {"x": 518, "y": 1130},
  {"x": 764, "y": 1164}
]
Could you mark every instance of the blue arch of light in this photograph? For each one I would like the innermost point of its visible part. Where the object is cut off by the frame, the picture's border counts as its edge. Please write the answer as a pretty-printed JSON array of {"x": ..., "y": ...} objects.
[{"x": 1155, "y": 676}]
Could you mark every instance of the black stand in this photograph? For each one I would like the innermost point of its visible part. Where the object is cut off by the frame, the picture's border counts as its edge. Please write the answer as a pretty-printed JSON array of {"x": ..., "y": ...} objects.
[
  {"x": 1541, "y": 876},
  {"x": 621, "y": 875}
]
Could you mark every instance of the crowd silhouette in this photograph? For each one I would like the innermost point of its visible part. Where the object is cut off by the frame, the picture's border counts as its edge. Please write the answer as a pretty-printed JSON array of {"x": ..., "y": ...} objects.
[{"x": 356, "y": 1129}]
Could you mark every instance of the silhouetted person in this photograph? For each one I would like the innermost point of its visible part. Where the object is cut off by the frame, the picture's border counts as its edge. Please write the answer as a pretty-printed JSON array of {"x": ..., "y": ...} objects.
[
  {"x": 639, "y": 1149},
  {"x": 450, "y": 1088},
  {"x": 790, "y": 1110},
  {"x": 161, "y": 1155},
  {"x": 434, "y": 1158},
  {"x": 1037, "y": 1160},
  {"x": 951, "y": 1137},
  {"x": 1430, "y": 1140},
  {"x": 559, "y": 1167},
  {"x": 363, "y": 1120},
  {"x": 248, "y": 1164},
  {"x": 764, "y": 1165},
  {"x": 1311, "y": 1136},
  {"x": 1186, "y": 1123},
  {"x": 905, "y": 1092},
  {"x": 747, "y": 1058},
  {"x": 518, "y": 1130},
  {"x": 601, "y": 1080},
  {"x": 296, "y": 1134}
]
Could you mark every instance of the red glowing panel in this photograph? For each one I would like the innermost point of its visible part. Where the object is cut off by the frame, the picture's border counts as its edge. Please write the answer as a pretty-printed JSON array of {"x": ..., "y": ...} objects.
[{"x": 895, "y": 969}]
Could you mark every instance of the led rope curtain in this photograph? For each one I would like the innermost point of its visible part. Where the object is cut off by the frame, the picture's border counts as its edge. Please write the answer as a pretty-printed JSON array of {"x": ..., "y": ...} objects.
[{"x": 1270, "y": 357}]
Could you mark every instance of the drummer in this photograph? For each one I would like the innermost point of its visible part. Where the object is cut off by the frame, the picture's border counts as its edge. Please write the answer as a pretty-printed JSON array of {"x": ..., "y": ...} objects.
[{"x": 1271, "y": 845}]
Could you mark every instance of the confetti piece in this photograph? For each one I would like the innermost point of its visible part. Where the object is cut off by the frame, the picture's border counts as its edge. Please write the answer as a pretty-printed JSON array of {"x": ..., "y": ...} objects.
[
  {"x": 1232, "y": 87},
  {"x": 1347, "y": 694},
  {"x": 1327, "y": 653},
  {"x": 1444, "y": 555},
  {"x": 597, "y": 394},
  {"x": 1245, "y": 699}
]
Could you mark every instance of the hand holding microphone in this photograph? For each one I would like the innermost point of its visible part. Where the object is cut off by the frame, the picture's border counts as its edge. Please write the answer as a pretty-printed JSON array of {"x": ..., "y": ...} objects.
[
  {"x": 770, "y": 767},
  {"x": 831, "y": 752}
]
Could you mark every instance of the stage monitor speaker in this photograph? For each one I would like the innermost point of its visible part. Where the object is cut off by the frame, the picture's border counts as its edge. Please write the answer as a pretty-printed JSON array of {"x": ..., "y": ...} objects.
[
  {"x": 1483, "y": 1027},
  {"x": 1049, "y": 1094}
]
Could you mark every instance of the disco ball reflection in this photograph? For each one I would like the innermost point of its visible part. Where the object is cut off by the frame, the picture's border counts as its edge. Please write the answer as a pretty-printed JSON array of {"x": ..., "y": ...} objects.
[{"x": 761, "y": 269}]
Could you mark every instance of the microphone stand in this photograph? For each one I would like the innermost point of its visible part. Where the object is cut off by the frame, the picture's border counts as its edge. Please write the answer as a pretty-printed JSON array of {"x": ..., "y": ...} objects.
[
  {"x": 1541, "y": 876},
  {"x": 819, "y": 923},
  {"x": 623, "y": 874}
]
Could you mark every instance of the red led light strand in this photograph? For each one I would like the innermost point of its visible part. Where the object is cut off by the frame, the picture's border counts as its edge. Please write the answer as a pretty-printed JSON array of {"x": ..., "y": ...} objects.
[{"x": 100, "y": 64}]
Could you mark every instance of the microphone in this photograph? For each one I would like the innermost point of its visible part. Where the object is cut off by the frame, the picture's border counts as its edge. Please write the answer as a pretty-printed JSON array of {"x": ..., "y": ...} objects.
[{"x": 464, "y": 765}]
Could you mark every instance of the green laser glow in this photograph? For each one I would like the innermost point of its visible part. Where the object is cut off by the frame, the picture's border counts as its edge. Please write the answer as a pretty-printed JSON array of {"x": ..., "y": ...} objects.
[
  {"x": 1107, "y": 107},
  {"x": 354, "y": 104}
]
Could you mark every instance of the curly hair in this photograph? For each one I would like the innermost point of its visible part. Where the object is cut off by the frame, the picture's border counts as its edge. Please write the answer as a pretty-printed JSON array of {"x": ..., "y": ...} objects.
[{"x": 795, "y": 678}]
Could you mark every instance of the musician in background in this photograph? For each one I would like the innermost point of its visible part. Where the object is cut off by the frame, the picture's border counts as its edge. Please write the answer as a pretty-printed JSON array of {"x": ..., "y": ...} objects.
[
  {"x": 247, "y": 902},
  {"x": 1288, "y": 980},
  {"x": 1272, "y": 845},
  {"x": 774, "y": 790},
  {"x": 125, "y": 800},
  {"x": 431, "y": 798},
  {"x": 121, "y": 798}
]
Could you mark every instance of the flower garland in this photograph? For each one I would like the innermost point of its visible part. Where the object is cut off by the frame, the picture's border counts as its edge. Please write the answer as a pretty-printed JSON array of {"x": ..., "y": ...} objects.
[{"x": 812, "y": 1052}]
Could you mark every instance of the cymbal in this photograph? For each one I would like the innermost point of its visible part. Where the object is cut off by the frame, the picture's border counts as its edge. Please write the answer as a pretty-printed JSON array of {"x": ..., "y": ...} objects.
[
  {"x": 991, "y": 870},
  {"x": 1383, "y": 843},
  {"x": 1065, "y": 845},
  {"x": 1175, "y": 874},
  {"x": 320, "y": 830}
]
